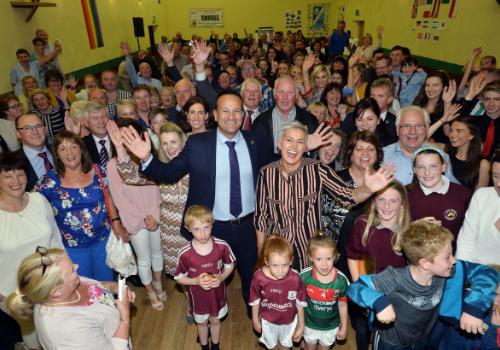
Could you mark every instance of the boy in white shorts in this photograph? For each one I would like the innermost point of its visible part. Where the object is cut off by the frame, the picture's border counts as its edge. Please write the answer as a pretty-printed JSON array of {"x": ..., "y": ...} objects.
[{"x": 203, "y": 265}]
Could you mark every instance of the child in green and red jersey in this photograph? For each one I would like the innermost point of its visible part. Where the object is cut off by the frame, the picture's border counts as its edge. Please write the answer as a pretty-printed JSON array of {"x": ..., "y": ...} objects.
[{"x": 326, "y": 289}]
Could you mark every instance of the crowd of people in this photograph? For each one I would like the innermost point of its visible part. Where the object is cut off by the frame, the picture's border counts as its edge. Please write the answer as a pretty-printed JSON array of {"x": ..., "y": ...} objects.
[{"x": 340, "y": 182}]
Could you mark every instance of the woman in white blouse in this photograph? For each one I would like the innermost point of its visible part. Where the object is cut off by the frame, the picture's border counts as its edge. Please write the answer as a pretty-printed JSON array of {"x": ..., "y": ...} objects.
[
  {"x": 70, "y": 313},
  {"x": 26, "y": 221}
]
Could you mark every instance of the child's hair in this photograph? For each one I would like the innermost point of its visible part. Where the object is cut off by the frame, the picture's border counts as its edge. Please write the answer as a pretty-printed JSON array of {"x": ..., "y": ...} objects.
[
  {"x": 403, "y": 220},
  {"x": 429, "y": 149},
  {"x": 409, "y": 61},
  {"x": 198, "y": 212},
  {"x": 424, "y": 240},
  {"x": 314, "y": 105},
  {"x": 36, "y": 278},
  {"x": 321, "y": 240},
  {"x": 275, "y": 245}
]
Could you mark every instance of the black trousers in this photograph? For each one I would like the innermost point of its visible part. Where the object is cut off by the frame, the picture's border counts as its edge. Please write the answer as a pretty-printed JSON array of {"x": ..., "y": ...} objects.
[
  {"x": 243, "y": 241},
  {"x": 9, "y": 332}
]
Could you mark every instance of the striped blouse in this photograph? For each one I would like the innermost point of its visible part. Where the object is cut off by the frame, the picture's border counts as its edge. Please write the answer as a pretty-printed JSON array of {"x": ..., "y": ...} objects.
[
  {"x": 53, "y": 120},
  {"x": 290, "y": 206}
]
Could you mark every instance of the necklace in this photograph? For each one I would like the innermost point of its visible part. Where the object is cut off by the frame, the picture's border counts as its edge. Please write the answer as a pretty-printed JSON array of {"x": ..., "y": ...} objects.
[{"x": 78, "y": 297}]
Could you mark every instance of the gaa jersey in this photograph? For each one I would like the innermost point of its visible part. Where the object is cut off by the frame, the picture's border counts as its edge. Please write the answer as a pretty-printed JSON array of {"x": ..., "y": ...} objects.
[
  {"x": 191, "y": 264},
  {"x": 322, "y": 312},
  {"x": 278, "y": 299}
]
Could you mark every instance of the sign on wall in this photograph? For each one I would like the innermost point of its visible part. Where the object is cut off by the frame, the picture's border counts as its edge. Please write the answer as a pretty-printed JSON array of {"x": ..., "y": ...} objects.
[
  {"x": 200, "y": 18},
  {"x": 318, "y": 19},
  {"x": 431, "y": 16},
  {"x": 293, "y": 19}
]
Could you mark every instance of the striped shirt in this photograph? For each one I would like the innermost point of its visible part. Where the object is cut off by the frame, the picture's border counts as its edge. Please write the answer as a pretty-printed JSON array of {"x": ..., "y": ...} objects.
[
  {"x": 53, "y": 120},
  {"x": 120, "y": 95},
  {"x": 290, "y": 206}
]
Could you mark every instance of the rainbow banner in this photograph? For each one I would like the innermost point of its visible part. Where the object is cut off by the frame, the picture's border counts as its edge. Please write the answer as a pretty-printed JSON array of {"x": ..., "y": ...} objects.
[{"x": 92, "y": 23}]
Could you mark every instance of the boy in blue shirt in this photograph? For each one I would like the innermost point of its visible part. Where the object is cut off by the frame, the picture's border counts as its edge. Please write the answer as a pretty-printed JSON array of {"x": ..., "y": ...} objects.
[{"x": 408, "y": 301}]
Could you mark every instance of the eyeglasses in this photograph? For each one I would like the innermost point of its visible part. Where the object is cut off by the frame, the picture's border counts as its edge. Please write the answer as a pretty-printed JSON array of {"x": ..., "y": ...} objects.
[
  {"x": 408, "y": 127},
  {"x": 44, "y": 258},
  {"x": 32, "y": 127}
]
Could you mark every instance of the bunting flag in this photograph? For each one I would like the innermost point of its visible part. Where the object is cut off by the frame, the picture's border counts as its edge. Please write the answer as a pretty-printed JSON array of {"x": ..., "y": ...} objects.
[
  {"x": 435, "y": 8},
  {"x": 92, "y": 23},
  {"x": 453, "y": 9}
]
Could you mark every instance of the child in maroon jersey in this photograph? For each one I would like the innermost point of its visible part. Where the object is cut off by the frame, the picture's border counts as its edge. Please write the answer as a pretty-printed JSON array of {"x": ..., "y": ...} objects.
[
  {"x": 204, "y": 264},
  {"x": 277, "y": 297},
  {"x": 432, "y": 196}
]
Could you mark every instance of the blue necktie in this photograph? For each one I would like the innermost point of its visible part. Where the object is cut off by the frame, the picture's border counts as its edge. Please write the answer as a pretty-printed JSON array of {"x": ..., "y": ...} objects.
[
  {"x": 103, "y": 154},
  {"x": 46, "y": 162},
  {"x": 235, "y": 192}
]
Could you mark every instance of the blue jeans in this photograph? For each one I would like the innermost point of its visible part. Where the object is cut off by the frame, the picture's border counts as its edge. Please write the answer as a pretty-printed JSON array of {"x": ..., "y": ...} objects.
[{"x": 92, "y": 261}]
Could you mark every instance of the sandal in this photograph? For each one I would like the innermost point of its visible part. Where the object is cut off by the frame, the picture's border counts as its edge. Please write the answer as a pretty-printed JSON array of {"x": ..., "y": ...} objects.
[
  {"x": 155, "y": 303},
  {"x": 162, "y": 295}
]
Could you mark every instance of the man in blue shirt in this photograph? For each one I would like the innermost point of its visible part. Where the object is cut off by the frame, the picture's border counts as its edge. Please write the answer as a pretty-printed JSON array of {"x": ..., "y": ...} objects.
[
  {"x": 412, "y": 124},
  {"x": 338, "y": 41}
]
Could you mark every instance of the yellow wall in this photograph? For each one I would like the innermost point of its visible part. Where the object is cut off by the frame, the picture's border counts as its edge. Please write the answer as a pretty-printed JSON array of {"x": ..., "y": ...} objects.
[
  {"x": 237, "y": 15},
  {"x": 66, "y": 22},
  {"x": 476, "y": 23}
]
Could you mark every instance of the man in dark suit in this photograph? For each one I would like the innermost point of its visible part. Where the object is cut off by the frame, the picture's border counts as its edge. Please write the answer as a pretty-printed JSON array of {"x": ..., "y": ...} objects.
[
  {"x": 98, "y": 143},
  {"x": 268, "y": 124},
  {"x": 183, "y": 91},
  {"x": 32, "y": 133},
  {"x": 223, "y": 165}
]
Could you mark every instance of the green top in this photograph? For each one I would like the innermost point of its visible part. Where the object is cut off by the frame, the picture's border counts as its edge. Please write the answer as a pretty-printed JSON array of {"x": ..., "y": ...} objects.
[{"x": 322, "y": 311}]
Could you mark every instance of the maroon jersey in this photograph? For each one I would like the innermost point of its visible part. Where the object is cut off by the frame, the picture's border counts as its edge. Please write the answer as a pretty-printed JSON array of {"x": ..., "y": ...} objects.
[
  {"x": 378, "y": 246},
  {"x": 278, "y": 299},
  {"x": 191, "y": 264},
  {"x": 450, "y": 208}
]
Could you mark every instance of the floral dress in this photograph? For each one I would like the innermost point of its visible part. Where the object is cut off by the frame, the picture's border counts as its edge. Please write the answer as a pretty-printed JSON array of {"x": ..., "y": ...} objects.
[
  {"x": 80, "y": 213},
  {"x": 173, "y": 201},
  {"x": 98, "y": 293}
]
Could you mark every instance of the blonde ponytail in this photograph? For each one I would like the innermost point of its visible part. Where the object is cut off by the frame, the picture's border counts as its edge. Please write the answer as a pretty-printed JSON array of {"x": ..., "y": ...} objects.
[{"x": 35, "y": 282}]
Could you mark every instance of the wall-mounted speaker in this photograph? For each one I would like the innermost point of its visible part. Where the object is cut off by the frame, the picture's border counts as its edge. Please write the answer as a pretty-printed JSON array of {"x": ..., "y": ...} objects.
[{"x": 138, "y": 26}]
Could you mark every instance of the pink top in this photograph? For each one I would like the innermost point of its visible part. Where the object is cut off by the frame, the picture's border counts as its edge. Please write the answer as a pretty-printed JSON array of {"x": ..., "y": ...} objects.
[
  {"x": 133, "y": 202},
  {"x": 278, "y": 299}
]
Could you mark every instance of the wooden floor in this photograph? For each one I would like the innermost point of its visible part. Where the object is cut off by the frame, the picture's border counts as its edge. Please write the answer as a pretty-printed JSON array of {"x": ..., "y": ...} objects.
[{"x": 168, "y": 330}]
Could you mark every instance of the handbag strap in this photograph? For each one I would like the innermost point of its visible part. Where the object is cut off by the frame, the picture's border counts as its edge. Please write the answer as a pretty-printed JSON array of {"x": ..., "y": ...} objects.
[{"x": 104, "y": 191}]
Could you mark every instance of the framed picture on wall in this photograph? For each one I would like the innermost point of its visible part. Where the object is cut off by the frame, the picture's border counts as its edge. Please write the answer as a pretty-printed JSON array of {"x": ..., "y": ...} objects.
[
  {"x": 209, "y": 17},
  {"x": 318, "y": 19}
]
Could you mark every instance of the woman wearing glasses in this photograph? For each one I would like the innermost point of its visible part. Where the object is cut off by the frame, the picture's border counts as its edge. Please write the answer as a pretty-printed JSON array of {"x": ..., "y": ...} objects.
[
  {"x": 26, "y": 210},
  {"x": 11, "y": 110},
  {"x": 69, "y": 312}
]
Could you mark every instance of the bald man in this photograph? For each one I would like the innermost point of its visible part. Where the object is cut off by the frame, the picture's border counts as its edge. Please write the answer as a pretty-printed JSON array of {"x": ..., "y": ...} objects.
[
  {"x": 270, "y": 122},
  {"x": 32, "y": 133},
  {"x": 184, "y": 90}
]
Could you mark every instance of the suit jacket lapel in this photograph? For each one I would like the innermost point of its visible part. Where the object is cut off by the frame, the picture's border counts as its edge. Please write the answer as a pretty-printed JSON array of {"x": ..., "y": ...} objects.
[
  {"x": 211, "y": 158},
  {"x": 252, "y": 149},
  {"x": 32, "y": 177}
]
